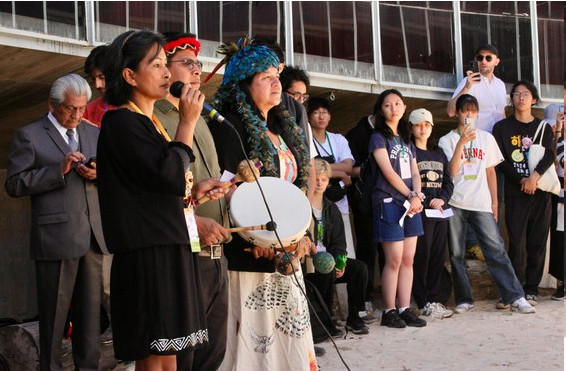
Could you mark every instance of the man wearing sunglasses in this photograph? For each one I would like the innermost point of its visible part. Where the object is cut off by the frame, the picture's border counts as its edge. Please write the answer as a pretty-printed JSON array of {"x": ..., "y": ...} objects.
[{"x": 481, "y": 83}]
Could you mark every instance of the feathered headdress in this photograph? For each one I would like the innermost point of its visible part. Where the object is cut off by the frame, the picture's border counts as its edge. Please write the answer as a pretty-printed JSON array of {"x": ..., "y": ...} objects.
[{"x": 244, "y": 59}]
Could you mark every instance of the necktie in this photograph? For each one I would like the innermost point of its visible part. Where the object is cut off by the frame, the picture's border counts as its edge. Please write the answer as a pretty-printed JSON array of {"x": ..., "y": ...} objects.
[{"x": 72, "y": 141}]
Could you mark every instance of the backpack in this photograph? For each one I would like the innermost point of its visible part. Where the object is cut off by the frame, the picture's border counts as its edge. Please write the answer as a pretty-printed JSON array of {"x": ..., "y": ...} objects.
[{"x": 365, "y": 183}]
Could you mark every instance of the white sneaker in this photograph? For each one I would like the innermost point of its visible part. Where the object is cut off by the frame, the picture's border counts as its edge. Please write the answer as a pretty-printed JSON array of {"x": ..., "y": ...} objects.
[
  {"x": 463, "y": 308},
  {"x": 522, "y": 306},
  {"x": 436, "y": 310}
]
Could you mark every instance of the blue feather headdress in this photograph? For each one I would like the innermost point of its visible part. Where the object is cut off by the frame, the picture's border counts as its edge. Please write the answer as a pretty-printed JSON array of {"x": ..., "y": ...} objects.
[{"x": 244, "y": 60}]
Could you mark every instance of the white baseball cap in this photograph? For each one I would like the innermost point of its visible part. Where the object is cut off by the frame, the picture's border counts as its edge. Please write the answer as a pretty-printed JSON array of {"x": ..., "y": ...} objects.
[{"x": 420, "y": 115}]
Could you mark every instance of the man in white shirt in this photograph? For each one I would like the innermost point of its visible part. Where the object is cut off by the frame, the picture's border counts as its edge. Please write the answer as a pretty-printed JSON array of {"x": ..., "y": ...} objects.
[
  {"x": 334, "y": 149},
  {"x": 485, "y": 87}
]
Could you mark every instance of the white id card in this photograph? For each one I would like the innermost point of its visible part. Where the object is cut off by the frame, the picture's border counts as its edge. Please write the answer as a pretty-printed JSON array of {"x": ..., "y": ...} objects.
[
  {"x": 470, "y": 170},
  {"x": 192, "y": 228},
  {"x": 405, "y": 165}
]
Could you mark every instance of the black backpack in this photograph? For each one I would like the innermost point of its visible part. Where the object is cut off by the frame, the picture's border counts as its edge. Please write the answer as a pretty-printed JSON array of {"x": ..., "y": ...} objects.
[{"x": 365, "y": 183}]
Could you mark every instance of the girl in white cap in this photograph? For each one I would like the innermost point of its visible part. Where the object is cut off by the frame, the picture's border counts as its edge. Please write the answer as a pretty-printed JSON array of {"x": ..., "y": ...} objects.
[{"x": 437, "y": 186}]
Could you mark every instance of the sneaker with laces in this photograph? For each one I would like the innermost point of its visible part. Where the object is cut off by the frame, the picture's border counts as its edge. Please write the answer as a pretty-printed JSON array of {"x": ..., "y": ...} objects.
[
  {"x": 392, "y": 319},
  {"x": 463, "y": 308},
  {"x": 532, "y": 299},
  {"x": 501, "y": 305},
  {"x": 522, "y": 306},
  {"x": 411, "y": 319},
  {"x": 436, "y": 310},
  {"x": 356, "y": 325}
]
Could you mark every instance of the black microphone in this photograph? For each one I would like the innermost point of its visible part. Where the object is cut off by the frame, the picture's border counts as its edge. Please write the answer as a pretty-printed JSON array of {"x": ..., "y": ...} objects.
[{"x": 207, "y": 109}]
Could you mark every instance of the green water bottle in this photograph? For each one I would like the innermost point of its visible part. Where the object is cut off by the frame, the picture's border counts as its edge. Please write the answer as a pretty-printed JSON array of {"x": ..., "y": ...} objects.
[{"x": 341, "y": 261}]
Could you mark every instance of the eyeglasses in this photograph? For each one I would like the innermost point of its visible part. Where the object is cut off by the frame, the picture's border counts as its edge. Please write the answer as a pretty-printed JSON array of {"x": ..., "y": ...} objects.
[
  {"x": 524, "y": 94},
  {"x": 296, "y": 95},
  {"x": 480, "y": 58},
  {"x": 189, "y": 63},
  {"x": 321, "y": 113}
]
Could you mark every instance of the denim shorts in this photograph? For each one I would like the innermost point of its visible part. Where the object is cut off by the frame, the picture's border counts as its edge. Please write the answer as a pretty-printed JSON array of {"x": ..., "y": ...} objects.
[{"x": 386, "y": 226}]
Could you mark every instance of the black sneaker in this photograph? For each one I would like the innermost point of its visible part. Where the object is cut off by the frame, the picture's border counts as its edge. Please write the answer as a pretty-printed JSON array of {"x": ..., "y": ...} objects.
[
  {"x": 392, "y": 319},
  {"x": 559, "y": 294},
  {"x": 411, "y": 319},
  {"x": 356, "y": 325},
  {"x": 335, "y": 332}
]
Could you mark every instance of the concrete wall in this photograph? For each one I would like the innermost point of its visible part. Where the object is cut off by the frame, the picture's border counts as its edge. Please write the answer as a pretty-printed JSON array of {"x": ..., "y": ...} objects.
[{"x": 17, "y": 272}]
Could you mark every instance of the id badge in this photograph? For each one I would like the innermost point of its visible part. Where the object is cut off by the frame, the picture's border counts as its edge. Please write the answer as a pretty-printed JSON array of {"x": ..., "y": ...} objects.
[
  {"x": 405, "y": 165},
  {"x": 470, "y": 170},
  {"x": 192, "y": 228}
]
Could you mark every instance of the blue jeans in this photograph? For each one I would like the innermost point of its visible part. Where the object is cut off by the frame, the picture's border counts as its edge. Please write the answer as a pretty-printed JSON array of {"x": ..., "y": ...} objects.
[{"x": 492, "y": 246}]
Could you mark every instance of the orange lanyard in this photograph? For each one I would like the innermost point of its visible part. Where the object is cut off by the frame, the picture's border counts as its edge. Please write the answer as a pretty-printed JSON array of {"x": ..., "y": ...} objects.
[{"x": 156, "y": 121}]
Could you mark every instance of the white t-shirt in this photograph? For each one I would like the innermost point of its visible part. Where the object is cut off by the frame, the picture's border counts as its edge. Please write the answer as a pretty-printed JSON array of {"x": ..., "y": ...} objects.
[
  {"x": 339, "y": 148},
  {"x": 471, "y": 191},
  {"x": 312, "y": 148},
  {"x": 492, "y": 99}
]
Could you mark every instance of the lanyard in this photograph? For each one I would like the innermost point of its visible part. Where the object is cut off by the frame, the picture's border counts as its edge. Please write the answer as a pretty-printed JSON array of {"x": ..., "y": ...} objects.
[
  {"x": 397, "y": 142},
  {"x": 331, "y": 153},
  {"x": 156, "y": 122},
  {"x": 469, "y": 151},
  {"x": 319, "y": 225}
]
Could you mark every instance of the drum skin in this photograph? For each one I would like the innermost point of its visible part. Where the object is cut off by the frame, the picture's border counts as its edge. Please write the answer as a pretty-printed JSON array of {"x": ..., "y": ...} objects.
[{"x": 290, "y": 208}]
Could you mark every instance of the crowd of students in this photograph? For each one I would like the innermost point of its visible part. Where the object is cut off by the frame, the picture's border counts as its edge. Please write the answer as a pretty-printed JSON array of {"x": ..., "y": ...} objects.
[{"x": 174, "y": 258}]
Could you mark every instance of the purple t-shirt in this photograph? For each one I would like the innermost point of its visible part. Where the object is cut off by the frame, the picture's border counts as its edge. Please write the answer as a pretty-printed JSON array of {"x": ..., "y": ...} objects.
[{"x": 398, "y": 151}]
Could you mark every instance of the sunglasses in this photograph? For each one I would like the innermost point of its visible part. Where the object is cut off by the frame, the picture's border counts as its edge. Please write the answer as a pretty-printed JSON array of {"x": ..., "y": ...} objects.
[{"x": 488, "y": 58}]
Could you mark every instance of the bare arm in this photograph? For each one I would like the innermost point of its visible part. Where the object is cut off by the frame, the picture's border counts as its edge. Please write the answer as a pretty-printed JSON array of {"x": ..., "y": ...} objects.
[
  {"x": 471, "y": 79},
  {"x": 456, "y": 161},
  {"x": 345, "y": 166}
]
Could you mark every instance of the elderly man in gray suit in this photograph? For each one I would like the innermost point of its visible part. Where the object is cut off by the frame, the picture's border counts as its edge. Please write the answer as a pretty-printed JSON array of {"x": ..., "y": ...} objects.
[{"x": 49, "y": 163}]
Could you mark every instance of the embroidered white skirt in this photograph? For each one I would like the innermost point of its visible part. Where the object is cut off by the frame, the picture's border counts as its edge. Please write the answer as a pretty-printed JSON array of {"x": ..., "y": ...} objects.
[{"x": 268, "y": 324}]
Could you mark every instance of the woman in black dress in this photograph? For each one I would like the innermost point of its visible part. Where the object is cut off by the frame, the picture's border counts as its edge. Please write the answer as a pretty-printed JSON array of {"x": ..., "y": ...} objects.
[{"x": 144, "y": 184}]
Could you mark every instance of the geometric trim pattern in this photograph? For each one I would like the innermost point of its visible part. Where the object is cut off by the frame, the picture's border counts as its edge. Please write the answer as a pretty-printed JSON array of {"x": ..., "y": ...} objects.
[{"x": 177, "y": 344}]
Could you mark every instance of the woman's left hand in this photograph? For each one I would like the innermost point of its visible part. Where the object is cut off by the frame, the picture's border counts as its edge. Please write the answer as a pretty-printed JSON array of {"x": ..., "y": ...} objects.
[
  {"x": 416, "y": 205},
  {"x": 212, "y": 188}
]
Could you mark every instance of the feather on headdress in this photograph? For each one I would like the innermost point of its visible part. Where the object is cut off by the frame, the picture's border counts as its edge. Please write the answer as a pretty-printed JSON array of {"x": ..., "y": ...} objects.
[{"x": 243, "y": 60}]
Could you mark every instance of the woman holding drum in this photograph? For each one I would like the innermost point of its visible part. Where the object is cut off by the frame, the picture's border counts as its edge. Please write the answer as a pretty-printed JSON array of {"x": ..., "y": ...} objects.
[{"x": 268, "y": 324}]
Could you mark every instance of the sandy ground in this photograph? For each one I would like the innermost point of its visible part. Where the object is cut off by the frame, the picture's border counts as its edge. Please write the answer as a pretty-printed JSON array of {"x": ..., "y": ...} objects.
[{"x": 482, "y": 339}]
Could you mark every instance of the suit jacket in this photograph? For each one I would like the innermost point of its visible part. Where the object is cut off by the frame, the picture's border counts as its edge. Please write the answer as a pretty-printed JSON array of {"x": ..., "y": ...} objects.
[{"x": 64, "y": 209}]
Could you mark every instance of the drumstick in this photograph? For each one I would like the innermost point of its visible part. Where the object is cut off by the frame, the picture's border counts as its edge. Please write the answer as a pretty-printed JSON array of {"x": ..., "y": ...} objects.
[
  {"x": 244, "y": 174},
  {"x": 269, "y": 226}
]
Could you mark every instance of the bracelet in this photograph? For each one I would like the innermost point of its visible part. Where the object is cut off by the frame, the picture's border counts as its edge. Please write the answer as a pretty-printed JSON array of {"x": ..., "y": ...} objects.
[{"x": 413, "y": 194}]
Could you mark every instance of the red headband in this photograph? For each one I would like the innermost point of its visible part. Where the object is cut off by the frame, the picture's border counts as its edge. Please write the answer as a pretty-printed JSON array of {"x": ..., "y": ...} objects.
[{"x": 182, "y": 43}]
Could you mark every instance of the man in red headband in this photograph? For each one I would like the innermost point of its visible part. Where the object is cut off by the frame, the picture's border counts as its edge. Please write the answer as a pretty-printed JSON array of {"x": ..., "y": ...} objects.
[{"x": 211, "y": 217}]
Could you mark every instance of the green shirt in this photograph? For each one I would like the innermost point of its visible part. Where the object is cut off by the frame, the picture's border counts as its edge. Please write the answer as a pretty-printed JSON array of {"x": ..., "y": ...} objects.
[{"x": 206, "y": 160}]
